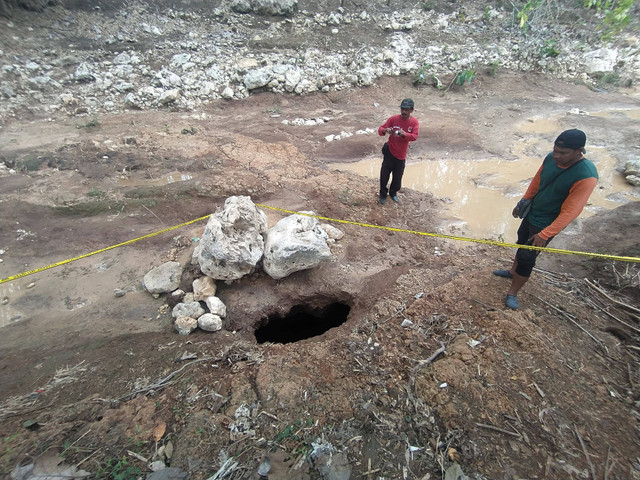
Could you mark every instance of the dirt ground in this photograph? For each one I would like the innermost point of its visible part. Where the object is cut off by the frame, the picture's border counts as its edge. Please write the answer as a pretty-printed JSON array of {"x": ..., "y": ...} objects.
[{"x": 548, "y": 391}]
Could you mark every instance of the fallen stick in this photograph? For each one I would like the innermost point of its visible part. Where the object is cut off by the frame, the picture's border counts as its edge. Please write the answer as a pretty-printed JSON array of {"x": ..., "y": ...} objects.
[
  {"x": 586, "y": 454},
  {"x": 599, "y": 342},
  {"x": 622, "y": 304},
  {"x": 423, "y": 363},
  {"x": 162, "y": 382},
  {"x": 594, "y": 305},
  {"x": 501, "y": 430}
]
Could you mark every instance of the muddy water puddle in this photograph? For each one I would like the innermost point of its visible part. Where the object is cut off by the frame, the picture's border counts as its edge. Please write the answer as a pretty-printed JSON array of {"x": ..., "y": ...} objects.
[{"x": 479, "y": 194}]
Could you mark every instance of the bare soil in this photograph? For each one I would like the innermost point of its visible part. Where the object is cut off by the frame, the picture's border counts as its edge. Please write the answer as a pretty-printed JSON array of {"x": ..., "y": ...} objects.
[{"x": 548, "y": 391}]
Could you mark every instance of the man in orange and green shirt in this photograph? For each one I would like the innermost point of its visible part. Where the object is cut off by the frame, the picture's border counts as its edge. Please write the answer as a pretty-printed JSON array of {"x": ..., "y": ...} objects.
[{"x": 559, "y": 191}]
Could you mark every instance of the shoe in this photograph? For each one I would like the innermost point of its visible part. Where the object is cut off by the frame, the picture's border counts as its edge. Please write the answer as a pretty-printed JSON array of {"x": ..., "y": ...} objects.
[
  {"x": 512, "y": 302},
  {"x": 381, "y": 200},
  {"x": 395, "y": 198},
  {"x": 503, "y": 273}
]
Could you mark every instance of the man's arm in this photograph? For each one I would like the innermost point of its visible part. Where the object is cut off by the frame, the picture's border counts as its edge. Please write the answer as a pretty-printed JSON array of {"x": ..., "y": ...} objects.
[
  {"x": 384, "y": 128},
  {"x": 531, "y": 190},
  {"x": 571, "y": 207},
  {"x": 413, "y": 135}
]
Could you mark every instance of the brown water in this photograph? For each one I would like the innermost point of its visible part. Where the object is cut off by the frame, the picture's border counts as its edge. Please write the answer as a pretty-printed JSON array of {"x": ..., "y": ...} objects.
[{"x": 479, "y": 194}]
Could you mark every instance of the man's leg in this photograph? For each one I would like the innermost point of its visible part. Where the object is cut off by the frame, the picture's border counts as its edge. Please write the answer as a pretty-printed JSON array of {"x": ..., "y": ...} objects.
[
  {"x": 517, "y": 282},
  {"x": 385, "y": 172},
  {"x": 523, "y": 263},
  {"x": 396, "y": 180}
]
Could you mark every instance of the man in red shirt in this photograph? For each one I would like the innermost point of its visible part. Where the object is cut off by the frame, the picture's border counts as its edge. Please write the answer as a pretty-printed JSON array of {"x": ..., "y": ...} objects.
[
  {"x": 401, "y": 129},
  {"x": 558, "y": 193}
]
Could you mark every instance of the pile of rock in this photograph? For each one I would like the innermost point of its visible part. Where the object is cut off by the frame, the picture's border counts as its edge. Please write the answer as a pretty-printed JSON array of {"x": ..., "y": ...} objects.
[
  {"x": 136, "y": 62},
  {"x": 236, "y": 242},
  {"x": 632, "y": 172}
]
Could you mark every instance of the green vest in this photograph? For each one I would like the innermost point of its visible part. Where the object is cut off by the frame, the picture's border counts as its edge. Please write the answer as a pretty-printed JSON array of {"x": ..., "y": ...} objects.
[{"x": 554, "y": 189}]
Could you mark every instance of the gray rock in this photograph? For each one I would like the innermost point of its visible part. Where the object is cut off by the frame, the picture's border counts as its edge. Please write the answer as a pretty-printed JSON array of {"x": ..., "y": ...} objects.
[
  {"x": 171, "y": 473},
  {"x": 632, "y": 167},
  {"x": 241, "y": 6},
  {"x": 188, "y": 309},
  {"x": 169, "y": 96},
  {"x": 275, "y": 7},
  {"x": 122, "y": 59},
  {"x": 164, "y": 278},
  {"x": 227, "y": 93},
  {"x": 258, "y": 78},
  {"x": 83, "y": 73},
  {"x": 633, "y": 180}
]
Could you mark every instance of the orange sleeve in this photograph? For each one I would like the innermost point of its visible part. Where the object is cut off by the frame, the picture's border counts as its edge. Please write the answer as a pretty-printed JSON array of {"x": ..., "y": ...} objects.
[
  {"x": 533, "y": 186},
  {"x": 571, "y": 207}
]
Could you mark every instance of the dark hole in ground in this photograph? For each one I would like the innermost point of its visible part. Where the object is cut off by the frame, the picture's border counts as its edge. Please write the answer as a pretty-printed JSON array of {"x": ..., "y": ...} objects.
[{"x": 302, "y": 322}]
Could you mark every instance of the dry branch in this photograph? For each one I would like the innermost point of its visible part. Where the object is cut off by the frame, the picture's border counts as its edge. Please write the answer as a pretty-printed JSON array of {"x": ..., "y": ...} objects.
[
  {"x": 565, "y": 314},
  {"x": 162, "y": 383},
  {"x": 501, "y": 430},
  {"x": 617, "y": 302},
  {"x": 586, "y": 454}
]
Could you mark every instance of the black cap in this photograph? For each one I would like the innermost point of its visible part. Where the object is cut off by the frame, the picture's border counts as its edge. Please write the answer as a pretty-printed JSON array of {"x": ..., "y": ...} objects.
[
  {"x": 406, "y": 103},
  {"x": 574, "y": 139}
]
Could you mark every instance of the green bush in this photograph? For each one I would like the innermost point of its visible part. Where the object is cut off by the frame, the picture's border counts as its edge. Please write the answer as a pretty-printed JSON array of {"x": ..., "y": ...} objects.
[{"x": 549, "y": 49}]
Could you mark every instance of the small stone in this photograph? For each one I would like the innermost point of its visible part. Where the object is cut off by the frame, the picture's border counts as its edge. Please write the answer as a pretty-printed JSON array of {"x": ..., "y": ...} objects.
[
  {"x": 185, "y": 325},
  {"x": 119, "y": 293}
]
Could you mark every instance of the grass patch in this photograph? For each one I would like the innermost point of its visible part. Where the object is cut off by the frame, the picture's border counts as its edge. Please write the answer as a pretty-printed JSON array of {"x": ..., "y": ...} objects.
[
  {"x": 30, "y": 163},
  {"x": 95, "y": 193},
  {"x": 91, "y": 209},
  {"x": 93, "y": 122}
]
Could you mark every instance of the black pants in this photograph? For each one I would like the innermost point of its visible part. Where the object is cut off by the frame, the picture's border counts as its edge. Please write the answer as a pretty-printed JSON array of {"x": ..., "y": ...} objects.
[
  {"x": 527, "y": 258},
  {"x": 391, "y": 166}
]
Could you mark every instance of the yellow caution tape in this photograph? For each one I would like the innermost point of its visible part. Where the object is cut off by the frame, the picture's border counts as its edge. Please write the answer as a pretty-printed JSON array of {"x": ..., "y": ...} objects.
[
  {"x": 464, "y": 239},
  {"x": 349, "y": 222},
  {"x": 128, "y": 242}
]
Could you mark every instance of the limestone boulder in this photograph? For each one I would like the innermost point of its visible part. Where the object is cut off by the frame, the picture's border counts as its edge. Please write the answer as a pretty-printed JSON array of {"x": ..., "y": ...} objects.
[
  {"x": 295, "y": 243},
  {"x": 232, "y": 243}
]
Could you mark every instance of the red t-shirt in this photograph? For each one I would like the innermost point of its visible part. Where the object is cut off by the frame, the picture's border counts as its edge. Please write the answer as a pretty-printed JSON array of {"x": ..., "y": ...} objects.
[{"x": 398, "y": 145}]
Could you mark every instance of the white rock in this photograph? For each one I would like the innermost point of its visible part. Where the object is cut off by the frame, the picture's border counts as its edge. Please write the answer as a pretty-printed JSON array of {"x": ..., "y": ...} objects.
[
  {"x": 210, "y": 322},
  {"x": 295, "y": 243},
  {"x": 601, "y": 60},
  {"x": 232, "y": 242},
  {"x": 216, "y": 306},
  {"x": 332, "y": 232}
]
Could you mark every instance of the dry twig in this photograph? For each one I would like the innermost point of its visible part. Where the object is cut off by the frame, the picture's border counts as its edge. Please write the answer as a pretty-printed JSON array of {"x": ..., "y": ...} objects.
[
  {"x": 162, "y": 383},
  {"x": 501, "y": 430},
  {"x": 622, "y": 304},
  {"x": 586, "y": 454},
  {"x": 565, "y": 314}
]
